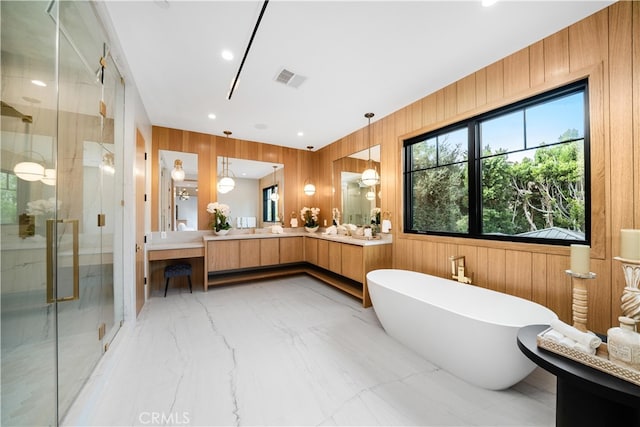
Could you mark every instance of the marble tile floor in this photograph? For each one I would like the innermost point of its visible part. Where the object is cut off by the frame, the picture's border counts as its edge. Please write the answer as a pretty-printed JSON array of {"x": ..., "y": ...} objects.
[{"x": 291, "y": 351}]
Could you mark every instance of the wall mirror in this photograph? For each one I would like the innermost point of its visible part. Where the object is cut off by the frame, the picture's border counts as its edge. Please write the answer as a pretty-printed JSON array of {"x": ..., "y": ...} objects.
[
  {"x": 178, "y": 201},
  {"x": 355, "y": 199},
  {"x": 246, "y": 200}
]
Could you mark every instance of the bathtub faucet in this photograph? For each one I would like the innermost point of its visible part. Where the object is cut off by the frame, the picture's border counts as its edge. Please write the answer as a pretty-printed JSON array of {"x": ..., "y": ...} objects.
[{"x": 457, "y": 271}]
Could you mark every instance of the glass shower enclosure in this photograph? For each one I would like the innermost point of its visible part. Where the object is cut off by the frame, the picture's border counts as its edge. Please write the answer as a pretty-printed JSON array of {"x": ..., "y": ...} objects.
[{"x": 61, "y": 214}]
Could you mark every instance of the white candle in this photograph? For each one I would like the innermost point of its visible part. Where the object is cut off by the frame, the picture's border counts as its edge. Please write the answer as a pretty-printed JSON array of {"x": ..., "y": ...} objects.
[
  {"x": 580, "y": 259},
  {"x": 630, "y": 244}
]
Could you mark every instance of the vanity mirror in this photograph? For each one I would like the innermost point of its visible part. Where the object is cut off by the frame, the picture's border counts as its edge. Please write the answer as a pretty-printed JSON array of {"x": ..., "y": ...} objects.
[
  {"x": 355, "y": 199},
  {"x": 178, "y": 201},
  {"x": 248, "y": 200}
]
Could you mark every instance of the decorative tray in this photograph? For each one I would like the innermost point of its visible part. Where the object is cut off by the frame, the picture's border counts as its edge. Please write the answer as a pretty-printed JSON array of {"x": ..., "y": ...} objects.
[{"x": 598, "y": 361}]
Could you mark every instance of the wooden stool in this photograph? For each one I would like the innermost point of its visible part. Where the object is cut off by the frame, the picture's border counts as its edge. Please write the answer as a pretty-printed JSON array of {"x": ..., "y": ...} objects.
[{"x": 177, "y": 270}]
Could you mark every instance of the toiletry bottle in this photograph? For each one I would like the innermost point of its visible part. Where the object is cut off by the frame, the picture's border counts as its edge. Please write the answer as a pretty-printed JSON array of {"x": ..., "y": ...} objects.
[{"x": 624, "y": 343}]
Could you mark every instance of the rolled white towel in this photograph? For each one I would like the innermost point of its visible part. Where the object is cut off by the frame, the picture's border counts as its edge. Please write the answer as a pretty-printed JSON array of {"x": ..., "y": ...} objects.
[
  {"x": 567, "y": 342},
  {"x": 553, "y": 335},
  {"x": 331, "y": 230},
  {"x": 277, "y": 229},
  {"x": 587, "y": 339},
  {"x": 584, "y": 349}
]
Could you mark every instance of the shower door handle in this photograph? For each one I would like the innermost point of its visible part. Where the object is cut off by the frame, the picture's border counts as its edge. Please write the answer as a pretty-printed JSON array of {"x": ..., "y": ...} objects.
[{"x": 52, "y": 264}]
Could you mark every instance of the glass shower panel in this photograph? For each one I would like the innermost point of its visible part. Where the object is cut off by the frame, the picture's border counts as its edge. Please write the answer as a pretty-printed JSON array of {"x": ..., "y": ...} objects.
[
  {"x": 111, "y": 143},
  {"x": 28, "y": 320},
  {"x": 77, "y": 236}
]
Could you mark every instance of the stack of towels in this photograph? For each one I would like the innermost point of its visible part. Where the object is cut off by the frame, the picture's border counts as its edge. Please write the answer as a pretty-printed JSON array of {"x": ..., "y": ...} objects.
[
  {"x": 568, "y": 336},
  {"x": 277, "y": 229}
]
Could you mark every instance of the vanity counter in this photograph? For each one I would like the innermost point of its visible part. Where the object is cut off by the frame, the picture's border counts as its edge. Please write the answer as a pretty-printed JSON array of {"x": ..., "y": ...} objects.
[
  {"x": 339, "y": 260},
  {"x": 385, "y": 240}
]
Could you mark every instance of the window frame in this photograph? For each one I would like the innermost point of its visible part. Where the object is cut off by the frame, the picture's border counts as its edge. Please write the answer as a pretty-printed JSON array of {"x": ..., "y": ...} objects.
[
  {"x": 266, "y": 200},
  {"x": 474, "y": 158}
]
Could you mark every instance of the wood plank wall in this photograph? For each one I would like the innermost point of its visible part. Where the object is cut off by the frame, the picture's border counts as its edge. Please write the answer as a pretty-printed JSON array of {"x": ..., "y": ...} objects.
[
  {"x": 297, "y": 165},
  {"x": 604, "y": 47}
]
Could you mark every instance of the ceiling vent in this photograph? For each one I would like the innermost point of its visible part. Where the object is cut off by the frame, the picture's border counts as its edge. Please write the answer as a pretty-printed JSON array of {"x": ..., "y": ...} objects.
[{"x": 290, "y": 78}]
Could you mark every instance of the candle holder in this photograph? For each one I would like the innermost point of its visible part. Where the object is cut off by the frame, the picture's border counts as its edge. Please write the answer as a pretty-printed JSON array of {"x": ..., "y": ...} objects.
[
  {"x": 630, "y": 299},
  {"x": 579, "y": 298}
]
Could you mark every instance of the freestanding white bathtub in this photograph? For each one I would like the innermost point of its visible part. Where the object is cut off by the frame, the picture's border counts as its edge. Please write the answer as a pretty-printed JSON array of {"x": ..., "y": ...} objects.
[{"x": 464, "y": 329}]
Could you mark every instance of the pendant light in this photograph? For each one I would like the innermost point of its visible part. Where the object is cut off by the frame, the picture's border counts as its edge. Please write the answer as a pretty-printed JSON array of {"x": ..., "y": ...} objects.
[
  {"x": 370, "y": 176},
  {"x": 371, "y": 194},
  {"x": 177, "y": 173},
  {"x": 274, "y": 195},
  {"x": 226, "y": 183},
  {"x": 29, "y": 170},
  {"x": 309, "y": 189}
]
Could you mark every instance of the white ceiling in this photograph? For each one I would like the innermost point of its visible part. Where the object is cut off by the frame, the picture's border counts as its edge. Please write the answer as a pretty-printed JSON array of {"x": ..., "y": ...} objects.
[{"x": 357, "y": 56}]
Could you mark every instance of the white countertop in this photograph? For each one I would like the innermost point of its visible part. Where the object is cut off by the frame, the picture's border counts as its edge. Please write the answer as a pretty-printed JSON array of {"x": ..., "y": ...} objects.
[{"x": 178, "y": 240}]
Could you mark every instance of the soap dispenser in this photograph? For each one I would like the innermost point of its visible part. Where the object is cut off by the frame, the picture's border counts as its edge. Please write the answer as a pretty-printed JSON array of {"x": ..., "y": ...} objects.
[{"x": 623, "y": 343}]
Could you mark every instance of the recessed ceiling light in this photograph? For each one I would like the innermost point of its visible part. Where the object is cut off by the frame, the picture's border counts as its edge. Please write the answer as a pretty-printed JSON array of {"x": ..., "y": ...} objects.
[
  {"x": 39, "y": 83},
  {"x": 300, "y": 133},
  {"x": 211, "y": 116},
  {"x": 227, "y": 55},
  {"x": 487, "y": 3}
]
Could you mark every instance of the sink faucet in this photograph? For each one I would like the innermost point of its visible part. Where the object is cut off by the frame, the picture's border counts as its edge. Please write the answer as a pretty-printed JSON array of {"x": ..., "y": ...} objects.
[{"x": 459, "y": 269}]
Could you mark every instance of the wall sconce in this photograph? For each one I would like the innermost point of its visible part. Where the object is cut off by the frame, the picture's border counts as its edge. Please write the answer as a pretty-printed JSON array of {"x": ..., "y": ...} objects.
[
  {"x": 274, "y": 196},
  {"x": 309, "y": 189},
  {"x": 226, "y": 183},
  {"x": 177, "y": 173},
  {"x": 370, "y": 176}
]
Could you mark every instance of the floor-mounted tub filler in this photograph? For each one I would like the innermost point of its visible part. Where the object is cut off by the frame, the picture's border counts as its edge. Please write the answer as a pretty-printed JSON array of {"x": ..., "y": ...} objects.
[{"x": 464, "y": 329}]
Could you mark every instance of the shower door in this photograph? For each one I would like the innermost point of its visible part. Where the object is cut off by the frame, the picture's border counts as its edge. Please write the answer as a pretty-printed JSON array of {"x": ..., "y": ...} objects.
[
  {"x": 61, "y": 292},
  {"x": 90, "y": 99}
]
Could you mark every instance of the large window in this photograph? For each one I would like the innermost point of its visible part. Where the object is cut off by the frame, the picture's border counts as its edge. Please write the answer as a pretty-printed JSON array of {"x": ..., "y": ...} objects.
[{"x": 519, "y": 173}]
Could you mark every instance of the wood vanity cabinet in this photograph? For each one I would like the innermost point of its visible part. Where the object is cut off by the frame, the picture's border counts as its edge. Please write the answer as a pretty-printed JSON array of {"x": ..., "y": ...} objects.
[
  {"x": 223, "y": 255},
  {"x": 342, "y": 265},
  {"x": 249, "y": 253},
  {"x": 291, "y": 250},
  {"x": 335, "y": 257},
  {"x": 323, "y": 254},
  {"x": 311, "y": 250},
  {"x": 269, "y": 251},
  {"x": 352, "y": 262}
]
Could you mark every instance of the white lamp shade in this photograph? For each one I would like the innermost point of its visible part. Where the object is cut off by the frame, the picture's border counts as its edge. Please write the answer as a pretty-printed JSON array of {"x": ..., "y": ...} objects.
[
  {"x": 29, "y": 171},
  {"x": 274, "y": 197},
  {"x": 370, "y": 177},
  {"x": 309, "y": 189},
  {"x": 226, "y": 184},
  {"x": 49, "y": 177},
  {"x": 371, "y": 195},
  {"x": 177, "y": 174}
]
